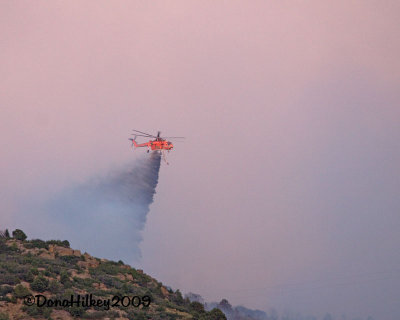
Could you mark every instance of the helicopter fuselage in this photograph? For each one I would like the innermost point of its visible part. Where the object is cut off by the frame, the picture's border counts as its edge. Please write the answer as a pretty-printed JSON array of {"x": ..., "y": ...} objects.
[{"x": 157, "y": 144}]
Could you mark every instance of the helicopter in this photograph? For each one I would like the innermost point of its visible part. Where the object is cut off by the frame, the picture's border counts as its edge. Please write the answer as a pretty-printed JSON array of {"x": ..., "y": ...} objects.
[{"x": 157, "y": 143}]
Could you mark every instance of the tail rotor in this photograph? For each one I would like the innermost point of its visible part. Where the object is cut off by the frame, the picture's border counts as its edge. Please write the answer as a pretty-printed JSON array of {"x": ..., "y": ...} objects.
[{"x": 133, "y": 140}]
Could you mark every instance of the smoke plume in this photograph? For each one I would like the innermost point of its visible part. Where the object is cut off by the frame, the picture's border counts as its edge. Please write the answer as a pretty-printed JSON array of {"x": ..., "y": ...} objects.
[{"x": 105, "y": 216}]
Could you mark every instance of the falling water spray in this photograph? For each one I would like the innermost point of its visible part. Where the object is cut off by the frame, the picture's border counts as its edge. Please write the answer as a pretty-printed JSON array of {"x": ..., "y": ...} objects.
[{"x": 105, "y": 216}]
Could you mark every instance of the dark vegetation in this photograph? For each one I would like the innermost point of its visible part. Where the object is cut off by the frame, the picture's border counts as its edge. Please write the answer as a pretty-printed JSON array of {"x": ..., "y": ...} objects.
[{"x": 53, "y": 269}]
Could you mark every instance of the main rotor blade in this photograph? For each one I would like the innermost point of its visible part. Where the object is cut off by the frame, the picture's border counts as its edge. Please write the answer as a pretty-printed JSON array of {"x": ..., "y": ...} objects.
[
  {"x": 173, "y": 137},
  {"x": 150, "y": 135},
  {"x": 139, "y": 135}
]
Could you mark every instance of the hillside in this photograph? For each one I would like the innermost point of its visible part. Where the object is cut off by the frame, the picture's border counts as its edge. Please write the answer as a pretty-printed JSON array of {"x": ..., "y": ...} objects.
[{"x": 56, "y": 272}]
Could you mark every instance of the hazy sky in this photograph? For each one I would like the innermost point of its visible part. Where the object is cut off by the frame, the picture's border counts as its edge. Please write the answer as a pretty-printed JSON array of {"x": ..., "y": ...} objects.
[{"x": 286, "y": 191}]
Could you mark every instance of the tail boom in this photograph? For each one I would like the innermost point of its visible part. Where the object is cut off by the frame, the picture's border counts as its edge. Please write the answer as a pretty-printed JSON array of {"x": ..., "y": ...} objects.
[{"x": 134, "y": 144}]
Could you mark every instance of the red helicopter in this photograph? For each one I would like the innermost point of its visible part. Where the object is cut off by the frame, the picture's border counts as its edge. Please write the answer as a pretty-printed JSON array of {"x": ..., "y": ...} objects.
[{"x": 158, "y": 142}]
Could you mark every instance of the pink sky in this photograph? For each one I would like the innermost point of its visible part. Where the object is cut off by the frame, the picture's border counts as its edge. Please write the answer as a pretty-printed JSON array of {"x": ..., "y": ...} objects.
[{"x": 289, "y": 174}]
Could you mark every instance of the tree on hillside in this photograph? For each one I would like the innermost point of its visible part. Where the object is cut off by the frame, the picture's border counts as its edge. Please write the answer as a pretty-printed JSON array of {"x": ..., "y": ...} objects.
[
  {"x": 225, "y": 304},
  {"x": 177, "y": 298},
  {"x": 7, "y": 234},
  {"x": 216, "y": 314},
  {"x": 197, "y": 307},
  {"x": 19, "y": 234},
  {"x": 226, "y": 308}
]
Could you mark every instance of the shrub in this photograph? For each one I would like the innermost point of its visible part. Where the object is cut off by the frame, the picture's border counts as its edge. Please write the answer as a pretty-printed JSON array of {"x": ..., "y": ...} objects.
[
  {"x": 9, "y": 279},
  {"x": 110, "y": 281},
  {"x": 28, "y": 259},
  {"x": 132, "y": 315},
  {"x": 46, "y": 273},
  {"x": 4, "y": 316},
  {"x": 177, "y": 298},
  {"x": 40, "y": 284},
  {"x": 37, "y": 243},
  {"x": 96, "y": 315},
  {"x": 60, "y": 243},
  {"x": 109, "y": 267},
  {"x": 76, "y": 311},
  {"x": 5, "y": 289},
  {"x": 128, "y": 289},
  {"x": 9, "y": 267},
  {"x": 216, "y": 314},
  {"x": 29, "y": 276},
  {"x": 34, "y": 271},
  {"x": 87, "y": 282},
  {"x": 19, "y": 234},
  {"x": 54, "y": 269},
  {"x": 64, "y": 277},
  {"x": 3, "y": 246},
  {"x": 20, "y": 291},
  {"x": 197, "y": 307},
  {"x": 70, "y": 259},
  {"x": 160, "y": 309},
  {"x": 35, "y": 311},
  {"x": 54, "y": 287}
]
